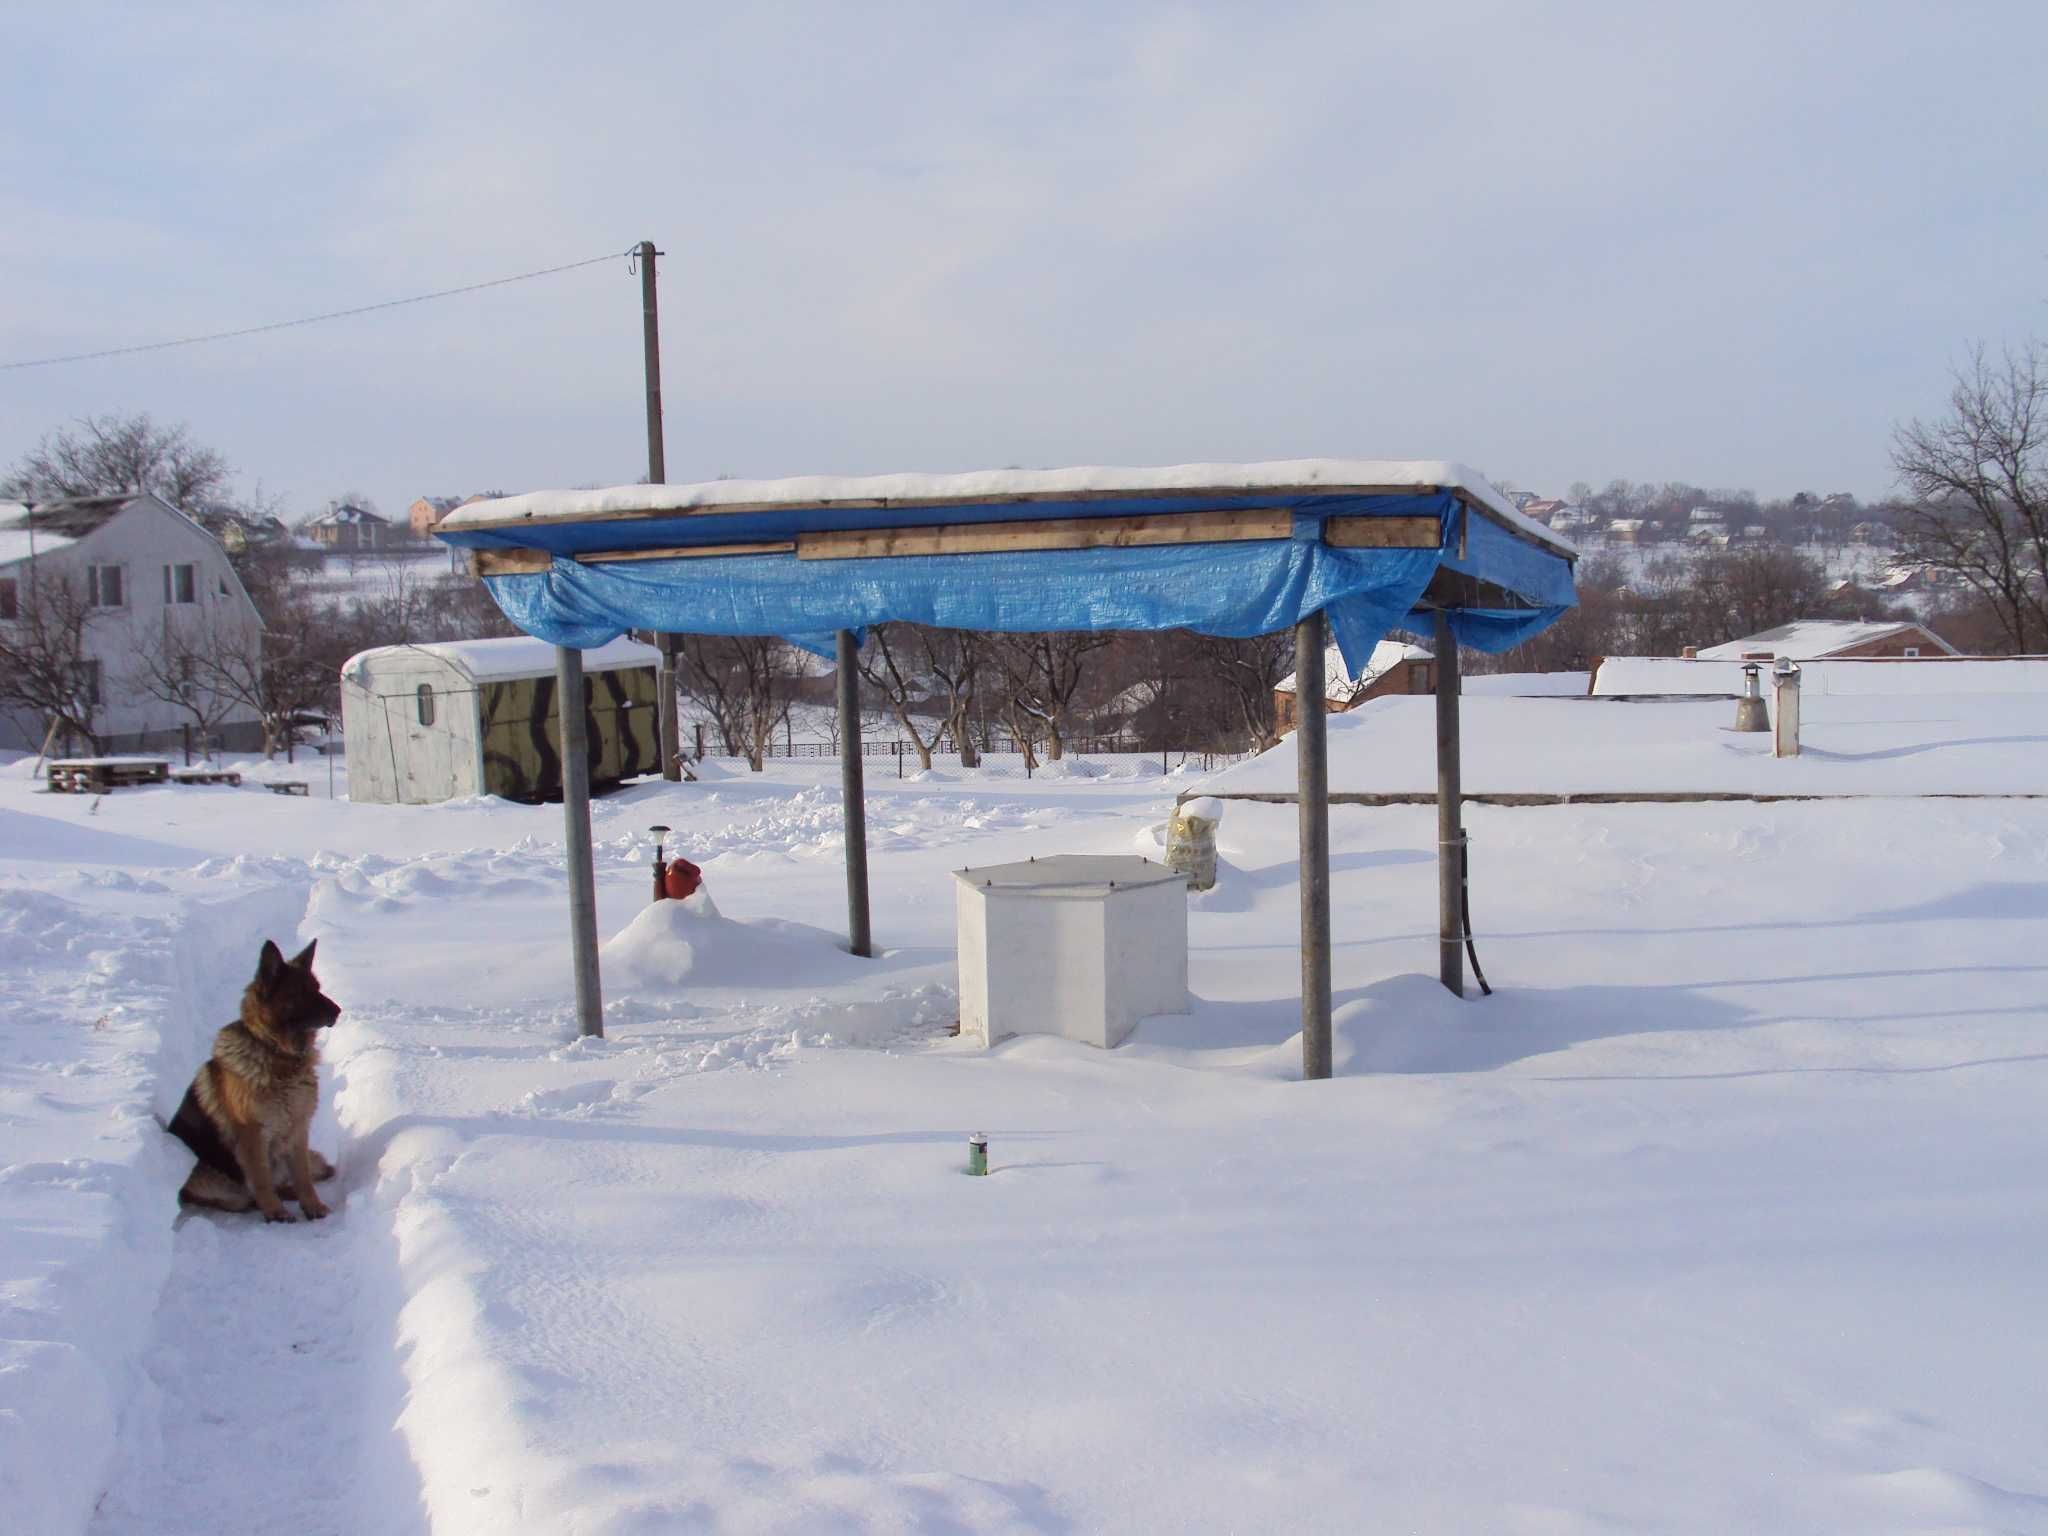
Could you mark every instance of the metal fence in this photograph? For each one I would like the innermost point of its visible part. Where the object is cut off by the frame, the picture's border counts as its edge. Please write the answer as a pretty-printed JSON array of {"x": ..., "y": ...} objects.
[{"x": 1004, "y": 759}]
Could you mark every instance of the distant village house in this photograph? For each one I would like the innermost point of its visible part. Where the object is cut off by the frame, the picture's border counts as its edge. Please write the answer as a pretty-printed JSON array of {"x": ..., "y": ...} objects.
[
  {"x": 1394, "y": 667},
  {"x": 146, "y": 575},
  {"x": 348, "y": 527}
]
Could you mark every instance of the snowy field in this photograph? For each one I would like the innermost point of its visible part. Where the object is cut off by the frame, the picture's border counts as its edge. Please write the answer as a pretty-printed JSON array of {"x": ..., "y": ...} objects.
[{"x": 1724, "y": 1213}]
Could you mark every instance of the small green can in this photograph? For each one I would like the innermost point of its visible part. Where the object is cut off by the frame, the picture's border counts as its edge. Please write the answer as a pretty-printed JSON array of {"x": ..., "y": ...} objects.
[{"x": 977, "y": 1153}]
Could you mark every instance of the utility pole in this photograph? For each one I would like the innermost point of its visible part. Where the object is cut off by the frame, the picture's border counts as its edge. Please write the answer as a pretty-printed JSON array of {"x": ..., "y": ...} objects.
[{"x": 657, "y": 474}]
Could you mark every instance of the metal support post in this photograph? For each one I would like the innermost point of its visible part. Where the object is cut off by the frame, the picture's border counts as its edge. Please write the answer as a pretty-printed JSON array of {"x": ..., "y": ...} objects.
[
  {"x": 858, "y": 938},
  {"x": 576, "y": 838},
  {"x": 1450, "y": 813},
  {"x": 1311, "y": 750}
]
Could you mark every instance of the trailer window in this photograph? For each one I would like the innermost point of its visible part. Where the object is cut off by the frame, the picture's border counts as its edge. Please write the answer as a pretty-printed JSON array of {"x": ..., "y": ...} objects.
[{"x": 425, "y": 697}]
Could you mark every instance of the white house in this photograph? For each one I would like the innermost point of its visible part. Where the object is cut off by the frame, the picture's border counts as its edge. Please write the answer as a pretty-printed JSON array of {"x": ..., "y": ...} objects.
[
  {"x": 426, "y": 723},
  {"x": 148, "y": 575}
]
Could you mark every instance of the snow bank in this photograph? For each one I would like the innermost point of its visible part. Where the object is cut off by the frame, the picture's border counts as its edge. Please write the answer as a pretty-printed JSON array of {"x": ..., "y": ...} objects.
[
  {"x": 110, "y": 990},
  {"x": 672, "y": 942}
]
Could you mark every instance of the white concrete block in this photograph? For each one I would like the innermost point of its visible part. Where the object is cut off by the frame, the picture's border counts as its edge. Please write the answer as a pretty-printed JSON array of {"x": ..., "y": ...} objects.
[{"x": 1080, "y": 945}]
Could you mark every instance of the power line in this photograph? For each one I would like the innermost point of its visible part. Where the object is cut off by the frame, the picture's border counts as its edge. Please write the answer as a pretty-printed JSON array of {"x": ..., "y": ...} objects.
[{"x": 333, "y": 314}]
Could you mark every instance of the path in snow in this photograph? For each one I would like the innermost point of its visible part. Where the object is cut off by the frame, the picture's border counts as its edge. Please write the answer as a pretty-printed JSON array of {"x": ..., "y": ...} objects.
[
  {"x": 269, "y": 1387},
  {"x": 261, "y": 1404}
]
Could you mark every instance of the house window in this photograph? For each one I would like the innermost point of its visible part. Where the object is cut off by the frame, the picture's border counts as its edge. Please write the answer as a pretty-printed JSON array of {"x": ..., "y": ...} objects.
[
  {"x": 109, "y": 589},
  {"x": 181, "y": 584},
  {"x": 1912, "y": 650},
  {"x": 10, "y": 599},
  {"x": 223, "y": 587},
  {"x": 85, "y": 677},
  {"x": 424, "y": 696}
]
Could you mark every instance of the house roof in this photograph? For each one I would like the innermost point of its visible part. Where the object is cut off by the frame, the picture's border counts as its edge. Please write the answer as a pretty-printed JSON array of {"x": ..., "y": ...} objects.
[
  {"x": 1811, "y": 639},
  {"x": 49, "y": 526},
  {"x": 347, "y": 514},
  {"x": 1342, "y": 687}
]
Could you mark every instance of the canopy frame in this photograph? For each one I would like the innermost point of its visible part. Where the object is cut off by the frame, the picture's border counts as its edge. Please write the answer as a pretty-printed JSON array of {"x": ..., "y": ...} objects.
[{"x": 866, "y": 557}]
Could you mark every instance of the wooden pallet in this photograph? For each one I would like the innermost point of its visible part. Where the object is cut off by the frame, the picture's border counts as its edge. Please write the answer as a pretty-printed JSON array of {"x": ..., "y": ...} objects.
[
  {"x": 97, "y": 775},
  {"x": 288, "y": 786},
  {"x": 205, "y": 776}
]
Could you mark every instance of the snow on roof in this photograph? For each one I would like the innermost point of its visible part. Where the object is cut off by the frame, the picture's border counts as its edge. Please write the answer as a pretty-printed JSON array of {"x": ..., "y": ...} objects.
[
  {"x": 986, "y": 485},
  {"x": 488, "y": 661},
  {"x": 347, "y": 514},
  {"x": 1851, "y": 744},
  {"x": 51, "y": 525},
  {"x": 1812, "y": 639},
  {"x": 1946, "y": 675},
  {"x": 1386, "y": 656},
  {"x": 18, "y": 543}
]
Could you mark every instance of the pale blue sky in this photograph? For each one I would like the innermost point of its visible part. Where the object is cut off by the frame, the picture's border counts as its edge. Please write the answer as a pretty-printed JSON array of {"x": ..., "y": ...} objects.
[{"x": 1727, "y": 243}]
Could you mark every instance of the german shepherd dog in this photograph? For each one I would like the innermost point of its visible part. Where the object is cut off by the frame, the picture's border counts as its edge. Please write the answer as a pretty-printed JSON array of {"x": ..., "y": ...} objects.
[{"x": 248, "y": 1111}]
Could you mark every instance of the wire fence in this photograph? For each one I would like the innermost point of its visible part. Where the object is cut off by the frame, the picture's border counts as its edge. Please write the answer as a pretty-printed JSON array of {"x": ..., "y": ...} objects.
[{"x": 1004, "y": 759}]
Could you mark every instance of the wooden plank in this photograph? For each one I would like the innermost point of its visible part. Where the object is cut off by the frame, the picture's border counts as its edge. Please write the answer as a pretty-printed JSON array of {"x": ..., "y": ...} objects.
[
  {"x": 1235, "y": 526},
  {"x": 1381, "y": 533},
  {"x": 509, "y": 562},
  {"x": 687, "y": 552}
]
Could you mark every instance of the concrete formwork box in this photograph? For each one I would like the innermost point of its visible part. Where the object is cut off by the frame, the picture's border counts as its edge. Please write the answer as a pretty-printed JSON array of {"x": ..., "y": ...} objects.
[{"x": 1079, "y": 945}]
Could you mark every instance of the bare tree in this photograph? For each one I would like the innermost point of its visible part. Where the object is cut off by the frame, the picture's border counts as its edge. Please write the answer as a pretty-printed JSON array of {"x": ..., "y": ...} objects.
[
  {"x": 1979, "y": 482},
  {"x": 745, "y": 683},
  {"x": 1728, "y": 594},
  {"x": 1246, "y": 671},
  {"x": 889, "y": 663},
  {"x": 956, "y": 661},
  {"x": 1041, "y": 675},
  {"x": 45, "y": 665},
  {"x": 176, "y": 666},
  {"x": 110, "y": 455},
  {"x": 285, "y": 669}
]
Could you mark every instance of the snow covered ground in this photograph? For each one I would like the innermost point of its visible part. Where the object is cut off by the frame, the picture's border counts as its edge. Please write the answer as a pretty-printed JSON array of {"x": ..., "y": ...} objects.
[{"x": 1723, "y": 1213}]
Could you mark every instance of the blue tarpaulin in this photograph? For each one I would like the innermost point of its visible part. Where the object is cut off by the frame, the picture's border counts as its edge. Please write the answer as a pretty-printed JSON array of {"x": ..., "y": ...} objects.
[{"x": 1244, "y": 588}]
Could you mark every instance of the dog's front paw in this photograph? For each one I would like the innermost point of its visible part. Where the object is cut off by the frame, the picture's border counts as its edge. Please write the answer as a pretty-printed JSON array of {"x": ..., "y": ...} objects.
[
  {"x": 314, "y": 1207},
  {"x": 279, "y": 1213}
]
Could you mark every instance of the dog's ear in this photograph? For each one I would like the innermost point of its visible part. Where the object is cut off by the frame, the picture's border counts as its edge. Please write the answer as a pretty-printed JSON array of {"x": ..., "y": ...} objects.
[
  {"x": 269, "y": 964},
  {"x": 304, "y": 958}
]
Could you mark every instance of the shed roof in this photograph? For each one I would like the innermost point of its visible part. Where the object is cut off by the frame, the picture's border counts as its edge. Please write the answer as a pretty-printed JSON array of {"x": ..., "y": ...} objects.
[
  {"x": 495, "y": 661},
  {"x": 1811, "y": 639},
  {"x": 1225, "y": 549}
]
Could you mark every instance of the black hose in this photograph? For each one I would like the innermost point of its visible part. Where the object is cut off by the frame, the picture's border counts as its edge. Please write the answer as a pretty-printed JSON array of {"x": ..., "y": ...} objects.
[{"x": 1465, "y": 909}]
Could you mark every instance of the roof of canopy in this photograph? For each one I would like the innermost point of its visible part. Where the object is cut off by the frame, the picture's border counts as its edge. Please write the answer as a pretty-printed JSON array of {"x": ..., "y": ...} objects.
[{"x": 1226, "y": 549}]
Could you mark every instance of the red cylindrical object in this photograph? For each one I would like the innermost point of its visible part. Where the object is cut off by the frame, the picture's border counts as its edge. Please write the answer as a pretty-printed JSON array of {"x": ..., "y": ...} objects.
[{"x": 682, "y": 879}]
